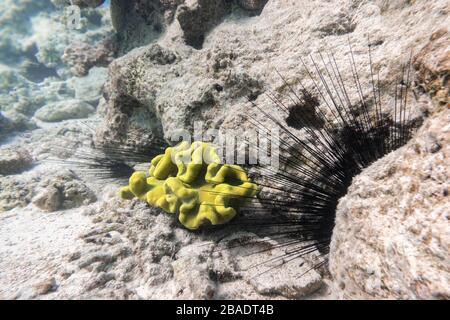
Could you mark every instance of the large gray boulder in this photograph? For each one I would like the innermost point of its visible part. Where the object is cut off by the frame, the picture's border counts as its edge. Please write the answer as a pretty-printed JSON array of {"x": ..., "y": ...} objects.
[
  {"x": 161, "y": 88},
  {"x": 392, "y": 234}
]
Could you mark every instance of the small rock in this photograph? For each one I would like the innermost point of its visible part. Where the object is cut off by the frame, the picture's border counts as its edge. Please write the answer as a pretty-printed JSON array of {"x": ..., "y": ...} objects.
[
  {"x": 293, "y": 279},
  {"x": 17, "y": 190},
  {"x": 287, "y": 281},
  {"x": 46, "y": 286},
  {"x": 83, "y": 56},
  {"x": 89, "y": 88},
  {"x": 76, "y": 194},
  {"x": 192, "y": 279},
  {"x": 14, "y": 161},
  {"x": 12, "y": 120},
  {"x": 62, "y": 191},
  {"x": 100, "y": 280},
  {"x": 36, "y": 71},
  {"x": 431, "y": 144},
  {"x": 63, "y": 110},
  {"x": 49, "y": 200}
]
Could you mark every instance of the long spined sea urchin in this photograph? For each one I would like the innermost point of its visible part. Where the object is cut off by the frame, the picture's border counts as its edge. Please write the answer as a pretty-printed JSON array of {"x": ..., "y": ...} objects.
[{"x": 340, "y": 138}]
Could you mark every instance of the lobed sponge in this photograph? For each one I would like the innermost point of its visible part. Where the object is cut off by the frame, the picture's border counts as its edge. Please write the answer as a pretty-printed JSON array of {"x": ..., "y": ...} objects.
[{"x": 190, "y": 180}]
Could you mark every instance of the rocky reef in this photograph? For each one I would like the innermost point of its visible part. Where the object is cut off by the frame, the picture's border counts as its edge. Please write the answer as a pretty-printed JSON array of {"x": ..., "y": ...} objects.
[
  {"x": 400, "y": 252},
  {"x": 137, "y": 73}
]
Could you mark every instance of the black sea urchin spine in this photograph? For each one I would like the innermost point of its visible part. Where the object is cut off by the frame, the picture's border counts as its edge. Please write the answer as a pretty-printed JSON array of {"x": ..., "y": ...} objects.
[
  {"x": 342, "y": 138},
  {"x": 111, "y": 162}
]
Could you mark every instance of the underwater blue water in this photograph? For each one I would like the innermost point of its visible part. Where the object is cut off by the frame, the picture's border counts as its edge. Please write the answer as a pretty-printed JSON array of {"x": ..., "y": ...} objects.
[{"x": 33, "y": 73}]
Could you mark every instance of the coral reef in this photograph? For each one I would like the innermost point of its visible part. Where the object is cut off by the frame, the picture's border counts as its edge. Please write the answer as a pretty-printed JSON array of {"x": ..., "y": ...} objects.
[
  {"x": 83, "y": 56},
  {"x": 391, "y": 234},
  {"x": 190, "y": 180}
]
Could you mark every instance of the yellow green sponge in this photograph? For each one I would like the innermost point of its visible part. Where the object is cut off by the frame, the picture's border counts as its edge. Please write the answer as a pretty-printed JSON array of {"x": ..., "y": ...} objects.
[{"x": 190, "y": 180}]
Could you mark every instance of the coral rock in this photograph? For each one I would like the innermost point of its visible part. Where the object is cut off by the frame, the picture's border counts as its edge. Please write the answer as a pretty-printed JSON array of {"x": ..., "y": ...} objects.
[
  {"x": 197, "y": 17},
  {"x": 49, "y": 200},
  {"x": 392, "y": 233},
  {"x": 14, "y": 161},
  {"x": 433, "y": 65},
  {"x": 82, "y": 56},
  {"x": 71, "y": 109}
]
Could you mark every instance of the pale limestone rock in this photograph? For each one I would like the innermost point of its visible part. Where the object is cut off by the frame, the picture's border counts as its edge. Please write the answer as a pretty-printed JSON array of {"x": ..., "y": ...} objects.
[
  {"x": 241, "y": 57},
  {"x": 58, "y": 111},
  {"x": 392, "y": 234}
]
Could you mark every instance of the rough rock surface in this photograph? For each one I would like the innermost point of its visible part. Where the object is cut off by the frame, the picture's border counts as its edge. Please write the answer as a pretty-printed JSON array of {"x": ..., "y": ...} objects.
[
  {"x": 63, "y": 191},
  {"x": 14, "y": 160},
  {"x": 392, "y": 233},
  {"x": 88, "y": 3},
  {"x": 49, "y": 191},
  {"x": 141, "y": 22},
  {"x": 80, "y": 3},
  {"x": 83, "y": 56},
  {"x": 16, "y": 192},
  {"x": 171, "y": 86},
  {"x": 252, "y": 4},
  {"x": 198, "y": 17},
  {"x": 433, "y": 66}
]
